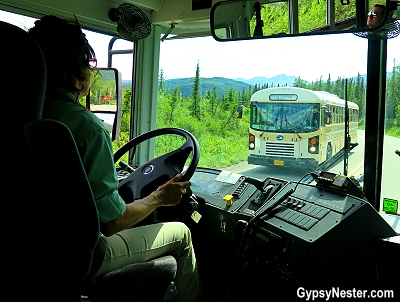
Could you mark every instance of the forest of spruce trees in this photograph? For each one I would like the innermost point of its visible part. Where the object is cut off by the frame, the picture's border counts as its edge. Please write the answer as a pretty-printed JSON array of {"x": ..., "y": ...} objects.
[{"x": 212, "y": 117}]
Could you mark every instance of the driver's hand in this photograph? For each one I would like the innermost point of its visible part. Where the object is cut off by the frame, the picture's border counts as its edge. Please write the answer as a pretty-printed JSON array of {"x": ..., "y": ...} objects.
[{"x": 171, "y": 192}]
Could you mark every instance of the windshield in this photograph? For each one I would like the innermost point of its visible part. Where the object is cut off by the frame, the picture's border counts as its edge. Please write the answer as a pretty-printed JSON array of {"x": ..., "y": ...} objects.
[
  {"x": 281, "y": 117},
  {"x": 202, "y": 82}
]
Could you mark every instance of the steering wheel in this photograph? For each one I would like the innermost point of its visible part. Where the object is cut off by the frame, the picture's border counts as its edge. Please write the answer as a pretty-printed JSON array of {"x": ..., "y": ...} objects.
[{"x": 149, "y": 176}]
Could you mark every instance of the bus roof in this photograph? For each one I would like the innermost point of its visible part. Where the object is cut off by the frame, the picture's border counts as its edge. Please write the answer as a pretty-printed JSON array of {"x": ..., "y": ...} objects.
[{"x": 301, "y": 95}]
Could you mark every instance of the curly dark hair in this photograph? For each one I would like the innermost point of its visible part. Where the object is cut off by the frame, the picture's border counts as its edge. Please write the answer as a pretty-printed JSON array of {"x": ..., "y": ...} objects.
[{"x": 66, "y": 50}]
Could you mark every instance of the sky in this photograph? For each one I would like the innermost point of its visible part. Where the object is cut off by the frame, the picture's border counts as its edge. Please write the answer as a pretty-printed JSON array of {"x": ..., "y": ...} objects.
[{"x": 338, "y": 55}]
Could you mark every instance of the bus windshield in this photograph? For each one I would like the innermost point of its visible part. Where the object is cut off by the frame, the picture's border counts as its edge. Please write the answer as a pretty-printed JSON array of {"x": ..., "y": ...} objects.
[
  {"x": 273, "y": 155},
  {"x": 198, "y": 88},
  {"x": 281, "y": 117}
]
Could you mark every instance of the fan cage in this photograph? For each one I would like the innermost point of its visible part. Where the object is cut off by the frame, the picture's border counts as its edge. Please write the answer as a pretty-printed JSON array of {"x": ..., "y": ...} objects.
[{"x": 133, "y": 23}]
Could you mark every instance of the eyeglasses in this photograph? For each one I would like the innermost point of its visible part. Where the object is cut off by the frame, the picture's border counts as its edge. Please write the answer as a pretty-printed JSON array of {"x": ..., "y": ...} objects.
[
  {"x": 93, "y": 63},
  {"x": 373, "y": 14},
  {"x": 89, "y": 53}
]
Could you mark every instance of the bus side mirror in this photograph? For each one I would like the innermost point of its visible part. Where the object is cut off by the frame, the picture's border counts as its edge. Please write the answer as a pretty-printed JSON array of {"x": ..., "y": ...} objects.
[
  {"x": 239, "y": 111},
  {"x": 105, "y": 99},
  {"x": 328, "y": 117}
]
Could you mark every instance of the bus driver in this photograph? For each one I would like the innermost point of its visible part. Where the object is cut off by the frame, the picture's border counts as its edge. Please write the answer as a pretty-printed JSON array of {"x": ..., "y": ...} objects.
[{"x": 68, "y": 56}]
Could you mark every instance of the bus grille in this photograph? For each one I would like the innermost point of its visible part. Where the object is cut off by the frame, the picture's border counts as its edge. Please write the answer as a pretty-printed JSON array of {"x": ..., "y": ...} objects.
[{"x": 279, "y": 149}]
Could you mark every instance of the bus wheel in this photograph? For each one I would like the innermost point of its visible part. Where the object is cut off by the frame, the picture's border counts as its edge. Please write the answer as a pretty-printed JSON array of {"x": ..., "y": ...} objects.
[{"x": 328, "y": 152}]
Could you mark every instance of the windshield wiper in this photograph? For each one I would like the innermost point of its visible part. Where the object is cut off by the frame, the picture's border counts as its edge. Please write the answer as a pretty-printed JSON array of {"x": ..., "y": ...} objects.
[{"x": 294, "y": 128}]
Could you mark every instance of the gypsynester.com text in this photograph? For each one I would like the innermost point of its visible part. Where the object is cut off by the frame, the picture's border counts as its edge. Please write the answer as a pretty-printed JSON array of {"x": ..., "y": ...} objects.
[{"x": 336, "y": 292}]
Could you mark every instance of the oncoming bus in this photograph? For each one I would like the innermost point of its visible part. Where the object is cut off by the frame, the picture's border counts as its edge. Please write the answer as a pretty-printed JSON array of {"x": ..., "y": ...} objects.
[{"x": 291, "y": 125}]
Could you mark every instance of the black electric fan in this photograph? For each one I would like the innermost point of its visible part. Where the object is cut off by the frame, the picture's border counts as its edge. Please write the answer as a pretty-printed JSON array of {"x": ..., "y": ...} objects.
[{"x": 133, "y": 23}]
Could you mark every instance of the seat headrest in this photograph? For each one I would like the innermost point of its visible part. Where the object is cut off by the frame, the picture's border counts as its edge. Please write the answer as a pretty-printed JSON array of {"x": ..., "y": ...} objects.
[{"x": 23, "y": 76}]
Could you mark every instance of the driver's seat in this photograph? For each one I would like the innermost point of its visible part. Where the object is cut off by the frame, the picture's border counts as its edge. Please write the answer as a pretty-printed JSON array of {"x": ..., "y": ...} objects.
[{"x": 49, "y": 243}]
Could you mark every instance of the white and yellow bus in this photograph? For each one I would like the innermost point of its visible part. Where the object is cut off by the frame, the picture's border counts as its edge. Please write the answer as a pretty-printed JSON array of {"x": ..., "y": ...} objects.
[{"x": 295, "y": 126}]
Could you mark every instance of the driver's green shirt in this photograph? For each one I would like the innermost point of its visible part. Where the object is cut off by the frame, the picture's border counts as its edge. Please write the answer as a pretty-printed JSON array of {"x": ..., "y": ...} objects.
[{"x": 95, "y": 148}]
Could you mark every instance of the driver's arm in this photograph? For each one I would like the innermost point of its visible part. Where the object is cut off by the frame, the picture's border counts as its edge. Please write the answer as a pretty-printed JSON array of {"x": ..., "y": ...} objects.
[
  {"x": 114, "y": 215},
  {"x": 168, "y": 194}
]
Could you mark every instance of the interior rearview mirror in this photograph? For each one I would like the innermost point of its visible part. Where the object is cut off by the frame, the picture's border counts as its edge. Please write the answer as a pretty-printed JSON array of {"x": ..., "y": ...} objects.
[
  {"x": 105, "y": 99},
  {"x": 252, "y": 19}
]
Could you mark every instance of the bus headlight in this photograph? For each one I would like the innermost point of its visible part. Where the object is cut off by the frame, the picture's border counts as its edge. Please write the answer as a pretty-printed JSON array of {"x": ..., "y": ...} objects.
[{"x": 313, "y": 145}]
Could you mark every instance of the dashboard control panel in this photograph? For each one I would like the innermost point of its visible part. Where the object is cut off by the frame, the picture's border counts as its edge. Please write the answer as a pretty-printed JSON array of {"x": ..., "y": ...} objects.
[
  {"x": 289, "y": 229},
  {"x": 230, "y": 197}
]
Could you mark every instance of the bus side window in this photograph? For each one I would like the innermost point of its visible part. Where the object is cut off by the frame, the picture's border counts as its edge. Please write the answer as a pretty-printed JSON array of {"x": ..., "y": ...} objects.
[
  {"x": 342, "y": 114},
  {"x": 333, "y": 116},
  {"x": 328, "y": 117}
]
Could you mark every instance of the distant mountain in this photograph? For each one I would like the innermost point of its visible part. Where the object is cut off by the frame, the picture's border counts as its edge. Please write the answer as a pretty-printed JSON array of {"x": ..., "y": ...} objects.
[
  {"x": 126, "y": 83},
  {"x": 224, "y": 84},
  {"x": 281, "y": 80},
  {"x": 364, "y": 76}
]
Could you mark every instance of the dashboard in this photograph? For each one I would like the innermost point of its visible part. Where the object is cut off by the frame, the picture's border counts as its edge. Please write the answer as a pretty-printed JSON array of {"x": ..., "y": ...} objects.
[
  {"x": 296, "y": 232},
  {"x": 291, "y": 229}
]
